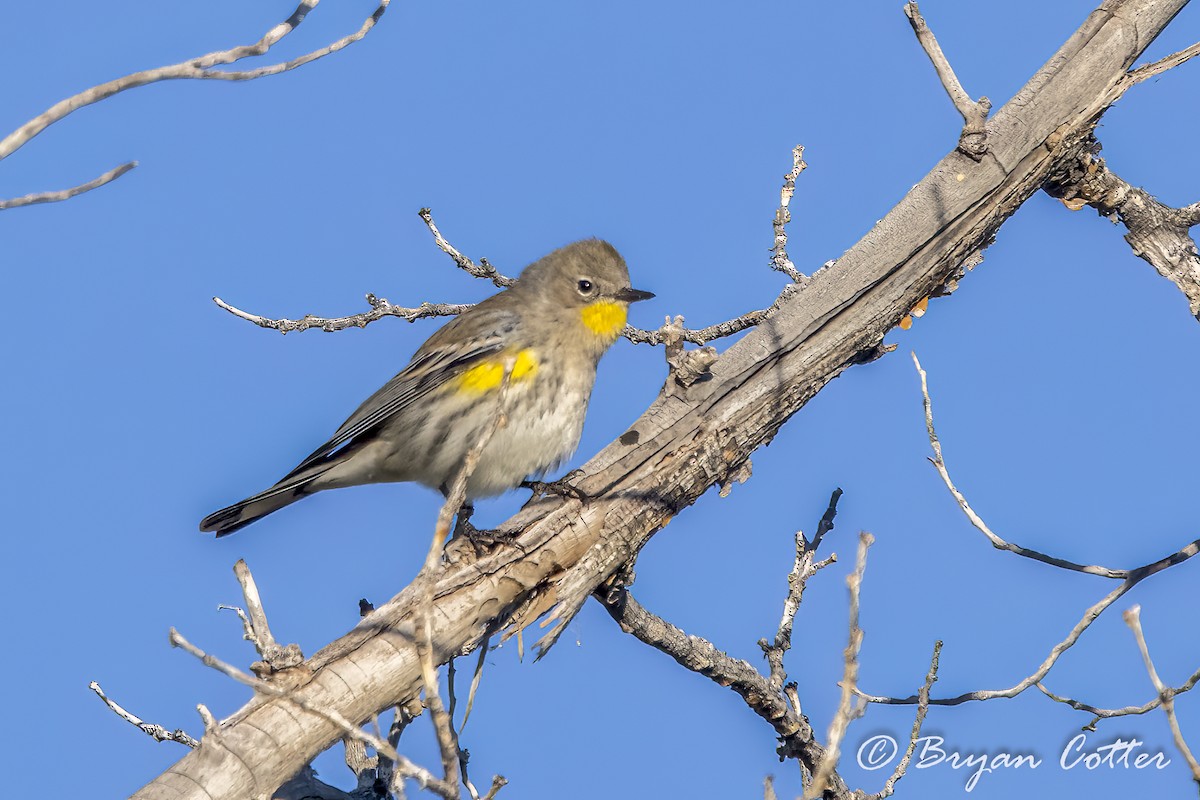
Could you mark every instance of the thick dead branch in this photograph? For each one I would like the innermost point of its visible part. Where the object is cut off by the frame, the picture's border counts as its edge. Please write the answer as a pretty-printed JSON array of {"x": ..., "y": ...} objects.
[
  {"x": 1158, "y": 234},
  {"x": 1166, "y": 698},
  {"x": 972, "y": 141},
  {"x": 685, "y": 443},
  {"x": 202, "y": 68}
]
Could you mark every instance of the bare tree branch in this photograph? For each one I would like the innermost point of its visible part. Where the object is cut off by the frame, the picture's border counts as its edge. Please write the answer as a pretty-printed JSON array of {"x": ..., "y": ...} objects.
[
  {"x": 1158, "y": 234},
  {"x": 1136, "y": 576},
  {"x": 1163, "y": 64},
  {"x": 1000, "y": 544},
  {"x": 973, "y": 140},
  {"x": 481, "y": 270},
  {"x": 1165, "y": 695},
  {"x": 783, "y": 216},
  {"x": 67, "y": 194},
  {"x": 702, "y": 657},
  {"x": 889, "y": 786},
  {"x": 803, "y": 568},
  {"x": 380, "y": 308},
  {"x": 849, "y": 707},
  {"x": 1106, "y": 713},
  {"x": 193, "y": 68},
  {"x": 156, "y": 732}
]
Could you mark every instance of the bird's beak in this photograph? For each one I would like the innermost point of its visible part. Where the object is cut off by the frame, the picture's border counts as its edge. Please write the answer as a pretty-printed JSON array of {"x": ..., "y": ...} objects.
[{"x": 628, "y": 295}]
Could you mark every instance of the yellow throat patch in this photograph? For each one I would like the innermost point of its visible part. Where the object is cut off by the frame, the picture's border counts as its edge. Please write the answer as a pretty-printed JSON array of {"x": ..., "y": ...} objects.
[
  {"x": 488, "y": 375},
  {"x": 604, "y": 318}
]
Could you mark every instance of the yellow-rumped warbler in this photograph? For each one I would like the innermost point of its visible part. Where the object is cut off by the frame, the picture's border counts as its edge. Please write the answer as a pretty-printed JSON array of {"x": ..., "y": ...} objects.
[{"x": 547, "y": 331}]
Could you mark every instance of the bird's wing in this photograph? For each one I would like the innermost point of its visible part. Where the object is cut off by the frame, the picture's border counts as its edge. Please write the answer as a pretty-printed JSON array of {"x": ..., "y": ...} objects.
[{"x": 437, "y": 361}]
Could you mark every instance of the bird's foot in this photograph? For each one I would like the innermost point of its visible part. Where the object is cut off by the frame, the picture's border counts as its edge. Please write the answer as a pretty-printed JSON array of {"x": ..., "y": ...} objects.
[{"x": 561, "y": 487}]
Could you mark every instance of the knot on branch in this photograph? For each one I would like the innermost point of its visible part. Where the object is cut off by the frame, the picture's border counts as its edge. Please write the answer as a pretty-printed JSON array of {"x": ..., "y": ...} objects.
[{"x": 686, "y": 367}]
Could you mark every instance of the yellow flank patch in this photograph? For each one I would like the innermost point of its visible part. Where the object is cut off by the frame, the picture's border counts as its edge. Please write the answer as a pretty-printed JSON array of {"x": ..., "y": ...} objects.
[
  {"x": 488, "y": 375},
  {"x": 604, "y": 318}
]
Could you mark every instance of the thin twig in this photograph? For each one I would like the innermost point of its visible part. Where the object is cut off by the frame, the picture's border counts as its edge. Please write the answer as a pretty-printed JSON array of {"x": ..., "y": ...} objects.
[
  {"x": 447, "y": 743},
  {"x": 156, "y": 732},
  {"x": 977, "y": 521},
  {"x": 973, "y": 140},
  {"x": 67, "y": 194},
  {"x": 1136, "y": 576},
  {"x": 848, "y": 710},
  {"x": 192, "y": 68},
  {"x": 922, "y": 709},
  {"x": 803, "y": 568},
  {"x": 1165, "y": 695},
  {"x": 722, "y": 329},
  {"x": 1106, "y": 713},
  {"x": 783, "y": 216},
  {"x": 481, "y": 270},
  {"x": 483, "y": 650},
  {"x": 380, "y": 308}
]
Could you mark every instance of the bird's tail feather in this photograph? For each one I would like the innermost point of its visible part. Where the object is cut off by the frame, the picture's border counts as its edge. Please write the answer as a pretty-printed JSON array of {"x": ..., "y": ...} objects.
[{"x": 241, "y": 514}]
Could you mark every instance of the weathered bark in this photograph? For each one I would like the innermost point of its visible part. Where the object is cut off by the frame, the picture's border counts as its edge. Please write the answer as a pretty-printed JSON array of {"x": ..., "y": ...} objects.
[{"x": 690, "y": 438}]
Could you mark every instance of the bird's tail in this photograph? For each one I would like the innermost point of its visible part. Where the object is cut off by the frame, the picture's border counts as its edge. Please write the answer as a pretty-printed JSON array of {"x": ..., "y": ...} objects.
[{"x": 239, "y": 515}]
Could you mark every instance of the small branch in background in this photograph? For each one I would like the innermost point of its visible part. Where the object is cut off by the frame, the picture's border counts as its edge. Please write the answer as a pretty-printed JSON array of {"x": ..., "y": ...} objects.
[
  {"x": 67, "y": 194},
  {"x": 387, "y": 772},
  {"x": 779, "y": 259},
  {"x": 803, "y": 568},
  {"x": 447, "y": 742},
  {"x": 1106, "y": 713},
  {"x": 849, "y": 707},
  {"x": 201, "y": 67},
  {"x": 156, "y": 732},
  {"x": 1165, "y": 694},
  {"x": 1136, "y": 576},
  {"x": 972, "y": 142},
  {"x": 922, "y": 709},
  {"x": 1157, "y": 233},
  {"x": 380, "y": 308},
  {"x": 482, "y": 270},
  {"x": 475, "y": 678},
  {"x": 1000, "y": 544}
]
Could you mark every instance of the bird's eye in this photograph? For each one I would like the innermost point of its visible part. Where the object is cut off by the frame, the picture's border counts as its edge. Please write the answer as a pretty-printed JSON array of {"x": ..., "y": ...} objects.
[{"x": 585, "y": 286}]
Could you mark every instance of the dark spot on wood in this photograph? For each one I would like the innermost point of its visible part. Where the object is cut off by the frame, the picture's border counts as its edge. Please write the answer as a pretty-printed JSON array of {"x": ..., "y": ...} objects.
[{"x": 630, "y": 437}]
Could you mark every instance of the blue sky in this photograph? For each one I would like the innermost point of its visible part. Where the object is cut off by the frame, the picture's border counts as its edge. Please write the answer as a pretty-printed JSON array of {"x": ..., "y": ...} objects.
[{"x": 1062, "y": 372}]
